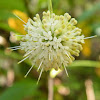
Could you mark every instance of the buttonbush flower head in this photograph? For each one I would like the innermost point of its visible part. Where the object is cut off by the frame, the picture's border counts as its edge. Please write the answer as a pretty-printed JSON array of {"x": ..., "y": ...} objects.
[{"x": 51, "y": 42}]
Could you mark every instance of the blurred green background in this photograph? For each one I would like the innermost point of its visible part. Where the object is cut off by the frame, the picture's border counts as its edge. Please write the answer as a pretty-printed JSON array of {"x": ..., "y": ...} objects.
[{"x": 83, "y": 82}]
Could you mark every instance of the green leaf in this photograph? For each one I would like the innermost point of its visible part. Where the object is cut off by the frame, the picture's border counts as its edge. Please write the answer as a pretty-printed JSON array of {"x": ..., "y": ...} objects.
[
  {"x": 87, "y": 14},
  {"x": 20, "y": 90},
  {"x": 5, "y": 27},
  {"x": 5, "y": 14},
  {"x": 85, "y": 63},
  {"x": 12, "y": 4}
]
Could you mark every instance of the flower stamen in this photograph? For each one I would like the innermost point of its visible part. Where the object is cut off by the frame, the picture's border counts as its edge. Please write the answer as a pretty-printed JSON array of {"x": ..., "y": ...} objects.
[
  {"x": 23, "y": 60},
  {"x": 90, "y": 37},
  {"x": 66, "y": 71},
  {"x": 40, "y": 65},
  {"x": 28, "y": 53},
  {"x": 28, "y": 71},
  {"x": 20, "y": 18},
  {"x": 40, "y": 76}
]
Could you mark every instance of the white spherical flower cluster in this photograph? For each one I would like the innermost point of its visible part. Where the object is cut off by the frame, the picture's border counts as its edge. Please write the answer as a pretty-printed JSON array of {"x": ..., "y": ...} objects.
[{"x": 53, "y": 41}]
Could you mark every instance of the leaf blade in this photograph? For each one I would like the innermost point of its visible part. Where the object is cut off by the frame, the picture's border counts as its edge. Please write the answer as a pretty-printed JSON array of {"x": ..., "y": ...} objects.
[{"x": 20, "y": 90}]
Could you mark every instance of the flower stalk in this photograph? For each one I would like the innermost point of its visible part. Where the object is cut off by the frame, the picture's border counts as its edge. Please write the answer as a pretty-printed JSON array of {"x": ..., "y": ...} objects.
[
  {"x": 50, "y": 88},
  {"x": 50, "y": 6}
]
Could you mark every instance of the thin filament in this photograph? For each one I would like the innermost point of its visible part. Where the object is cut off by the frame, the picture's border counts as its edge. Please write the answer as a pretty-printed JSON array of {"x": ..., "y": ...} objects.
[
  {"x": 15, "y": 47},
  {"x": 90, "y": 37},
  {"x": 23, "y": 60},
  {"x": 27, "y": 53},
  {"x": 68, "y": 55},
  {"x": 66, "y": 71},
  {"x": 20, "y": 18},
  {"x": 40, "y": 65},
  {"x": 28, "y": 71},
  {"x": 40, "y": 75}
]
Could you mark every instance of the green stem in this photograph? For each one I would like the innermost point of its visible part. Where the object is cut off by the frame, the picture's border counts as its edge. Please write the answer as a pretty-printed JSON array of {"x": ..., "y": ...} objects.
[{"x": 50, "y": 6}]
